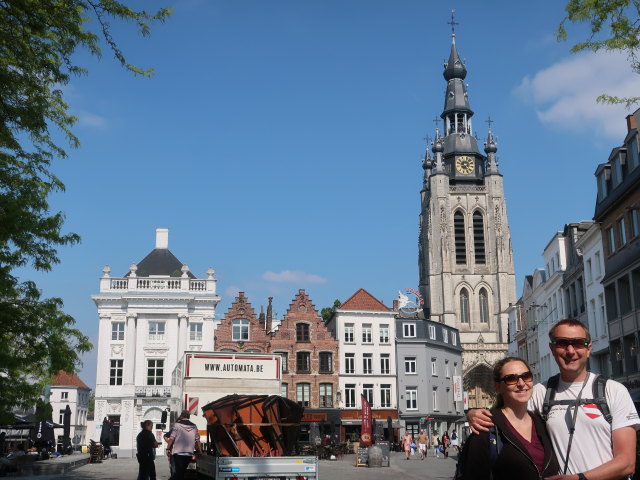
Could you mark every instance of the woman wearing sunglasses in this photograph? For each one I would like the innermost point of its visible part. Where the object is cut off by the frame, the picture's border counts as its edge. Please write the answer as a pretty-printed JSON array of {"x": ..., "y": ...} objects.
[{"x": 520, "y": 446}]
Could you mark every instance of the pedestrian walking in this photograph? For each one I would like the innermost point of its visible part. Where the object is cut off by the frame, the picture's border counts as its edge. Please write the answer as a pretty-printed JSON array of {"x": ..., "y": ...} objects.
[
  {"x": 454, "y": 441},
  {"x": 184, "y": 443},
  {"x": 407, "y": 441},
  {"x": 146, "y": 445},
  {"x": 445, "y": 444},
  {"x": 423, "y": 444},
  {"x": 435, "y": 442}
]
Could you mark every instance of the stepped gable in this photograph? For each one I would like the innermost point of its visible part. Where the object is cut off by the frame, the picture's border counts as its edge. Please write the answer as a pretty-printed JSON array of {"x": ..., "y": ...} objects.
[
  {"x": 241, "y": 308},
  {"x": 64, "y": 379},
  {"x": 363, "y": 300}
]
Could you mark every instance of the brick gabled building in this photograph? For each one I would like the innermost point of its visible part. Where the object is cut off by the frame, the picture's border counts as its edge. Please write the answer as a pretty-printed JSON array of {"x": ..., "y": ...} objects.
[
  {"x": 310, "y": 366},
  {"x": 241, "y": 330}
]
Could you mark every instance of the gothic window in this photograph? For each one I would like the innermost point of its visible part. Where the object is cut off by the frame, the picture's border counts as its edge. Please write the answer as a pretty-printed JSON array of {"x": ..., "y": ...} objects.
[
  {"x": 484, "y": 306},
  {"x": 458, "y": 230},
  {"x": 478, "y": 238},
  {"x": 464, "y": 306}
]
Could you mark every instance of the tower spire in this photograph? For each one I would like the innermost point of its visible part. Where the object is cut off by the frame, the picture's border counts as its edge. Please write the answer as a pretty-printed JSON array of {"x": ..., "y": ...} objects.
[{"x": 490, "y": 148}]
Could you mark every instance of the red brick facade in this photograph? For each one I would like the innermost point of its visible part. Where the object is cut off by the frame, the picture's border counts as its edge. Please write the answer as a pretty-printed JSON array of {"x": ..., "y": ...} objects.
[
  {"x": 304, "y": 337},
  {"x": 240, "y": 311}
]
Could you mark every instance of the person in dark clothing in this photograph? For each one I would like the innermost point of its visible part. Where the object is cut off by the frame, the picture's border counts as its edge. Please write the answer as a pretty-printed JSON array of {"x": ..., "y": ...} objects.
[
  {"x": 526, "y": 452},
  {"x": 146, "y": 444}
]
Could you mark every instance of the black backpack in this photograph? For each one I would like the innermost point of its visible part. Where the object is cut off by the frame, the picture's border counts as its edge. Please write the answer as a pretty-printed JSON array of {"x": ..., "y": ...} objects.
[
  {"x": 599, "y": 398},
  {"x": 495, "y": 446}
]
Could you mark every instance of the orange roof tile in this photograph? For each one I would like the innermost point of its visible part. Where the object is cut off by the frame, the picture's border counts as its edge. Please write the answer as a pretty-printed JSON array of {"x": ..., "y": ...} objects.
[
  {"x": 65, "y": 379},
  {"x": 363, "y": 300}
]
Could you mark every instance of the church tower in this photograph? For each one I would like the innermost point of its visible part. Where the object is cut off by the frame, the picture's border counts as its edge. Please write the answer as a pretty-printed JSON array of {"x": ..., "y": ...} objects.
[{"x": 465, "y": 258}]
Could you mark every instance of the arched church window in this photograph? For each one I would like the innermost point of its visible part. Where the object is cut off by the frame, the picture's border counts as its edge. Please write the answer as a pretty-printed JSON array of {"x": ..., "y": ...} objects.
[
  {"x": 464, "y": 306},
  {"x": 478, "y": 238},
  {"x": 458, "y": 231},
  {"x": 484, "y": 306}
]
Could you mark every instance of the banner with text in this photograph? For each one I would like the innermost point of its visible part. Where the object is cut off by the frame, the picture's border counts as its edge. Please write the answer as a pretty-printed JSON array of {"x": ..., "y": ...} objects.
[
  {"x": 457, "y": 388},
  {"x": 214, "y": 366},
  {"x": 365, "y": 431}
]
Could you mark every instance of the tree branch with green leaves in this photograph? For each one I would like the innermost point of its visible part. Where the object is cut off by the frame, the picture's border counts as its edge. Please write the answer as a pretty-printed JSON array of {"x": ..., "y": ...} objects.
[{"x": 614, "y": 25}]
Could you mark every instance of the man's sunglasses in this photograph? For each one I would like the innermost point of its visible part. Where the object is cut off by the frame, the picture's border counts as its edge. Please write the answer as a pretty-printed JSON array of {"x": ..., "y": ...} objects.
[
  {"x": 576, "y": 343},
  {"x": 512, "y": 379}
]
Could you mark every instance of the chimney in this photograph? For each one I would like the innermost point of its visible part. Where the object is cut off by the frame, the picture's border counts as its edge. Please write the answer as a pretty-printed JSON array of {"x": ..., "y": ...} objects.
[
  {"x": 631, "y": 122},
  {"x": 162, "y": 238},
  {"x": 395, "y": 305},
  {"x": 261, "y": 316},
  {"x": 269, "y": 323}
]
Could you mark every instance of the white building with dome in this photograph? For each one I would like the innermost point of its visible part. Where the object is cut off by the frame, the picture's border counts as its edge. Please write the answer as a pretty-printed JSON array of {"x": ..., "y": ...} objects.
[{"x": 148, "y": 318}]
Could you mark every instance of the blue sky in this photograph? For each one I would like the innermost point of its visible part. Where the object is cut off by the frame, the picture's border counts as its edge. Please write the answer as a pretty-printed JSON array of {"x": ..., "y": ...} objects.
[{"x": 280, "y": 142}]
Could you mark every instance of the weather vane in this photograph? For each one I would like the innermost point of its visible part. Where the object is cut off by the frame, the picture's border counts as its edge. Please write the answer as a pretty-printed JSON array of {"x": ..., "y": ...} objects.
[
  {"x": 437, "y": 121},
  {"x": 453, "y": 23}
]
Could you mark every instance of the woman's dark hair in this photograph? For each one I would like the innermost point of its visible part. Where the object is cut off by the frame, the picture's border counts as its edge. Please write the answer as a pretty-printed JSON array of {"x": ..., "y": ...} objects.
[
  {"x": 146, "y": 423},
  {"x": 497, "y": 375}
]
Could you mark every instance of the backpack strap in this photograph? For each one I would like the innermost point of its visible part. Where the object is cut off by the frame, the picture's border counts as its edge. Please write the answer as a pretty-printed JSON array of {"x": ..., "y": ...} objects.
[
  {"x": 495, "y": 444},
  {"x": 550, "y": 395},
  {"x": 600, "y": 398}
]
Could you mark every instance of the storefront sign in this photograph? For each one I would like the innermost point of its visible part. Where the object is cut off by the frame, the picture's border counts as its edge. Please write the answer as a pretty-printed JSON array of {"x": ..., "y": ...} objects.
[
  {"x": 233, "y": 366},
  {"x": 314, "y": 417},
  {"x": 457, "y": 388}
]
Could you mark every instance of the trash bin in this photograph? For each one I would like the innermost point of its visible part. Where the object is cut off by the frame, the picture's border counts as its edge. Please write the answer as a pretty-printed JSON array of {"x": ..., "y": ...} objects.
[{"x": 375, "y": 456}]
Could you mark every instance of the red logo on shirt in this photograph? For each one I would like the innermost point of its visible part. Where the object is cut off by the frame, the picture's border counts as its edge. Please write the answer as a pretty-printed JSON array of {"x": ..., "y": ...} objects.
[{"x": 591, "y": 410}]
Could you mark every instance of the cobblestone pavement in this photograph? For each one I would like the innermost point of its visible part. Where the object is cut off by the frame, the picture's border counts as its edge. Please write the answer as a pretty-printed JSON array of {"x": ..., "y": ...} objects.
[{"x": 344, "y": 469}]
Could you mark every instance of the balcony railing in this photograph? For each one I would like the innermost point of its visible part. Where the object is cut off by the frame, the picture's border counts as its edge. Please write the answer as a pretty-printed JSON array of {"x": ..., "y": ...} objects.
[
  {"x": 153, "y": 391},
  {"x": 150, "y": 284}
]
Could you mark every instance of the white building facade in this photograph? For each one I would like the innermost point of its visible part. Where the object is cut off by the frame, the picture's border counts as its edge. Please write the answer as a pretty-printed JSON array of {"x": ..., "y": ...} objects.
[
  {"x": 69, "y": 390},
  {"x": 365, "y": 330},
  {"x": 148, "y": 319}
]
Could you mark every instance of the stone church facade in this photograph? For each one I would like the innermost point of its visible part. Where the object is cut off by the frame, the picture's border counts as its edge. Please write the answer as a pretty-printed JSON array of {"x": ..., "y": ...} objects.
[{"x": 467, "y": 277}]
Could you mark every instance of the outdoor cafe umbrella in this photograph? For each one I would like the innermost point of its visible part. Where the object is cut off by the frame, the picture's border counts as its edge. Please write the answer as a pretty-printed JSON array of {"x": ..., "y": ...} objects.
[
  {"x": 389, "y": 429},
  {"x": 66, "y": 440},
  {"x": 42, "y": 435},
  {"x": 105, "y": 434}
]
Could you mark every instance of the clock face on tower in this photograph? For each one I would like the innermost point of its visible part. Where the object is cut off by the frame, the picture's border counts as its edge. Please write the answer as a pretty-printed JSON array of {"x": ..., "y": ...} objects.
[{"x": 465, "y": 164}]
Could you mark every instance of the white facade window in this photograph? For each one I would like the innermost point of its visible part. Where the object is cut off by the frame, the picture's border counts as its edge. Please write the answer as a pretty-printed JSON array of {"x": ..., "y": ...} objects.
[
  {"x": 156, "y": 331},
  {"x": 410, "y": 365},
  {"x": 117, "y": 330},
  {"x": 61, "y": 417},
  {"x": 367, "y": 391},
  {"x": 350, "y": 395},
  {"x": 411, "y": 396},
  {"x": 115, "y": 372},
  {"x": 367, "y": 364},
  {"x": 409, "y": 330},
  {"x": 64, "y": 395},
  {"x": 384, "y": 364},
  {"x": 326, "y": 395},
  {"x": 240, "y": 330},
  {"x": 385, "y": 396},
  {"x": 349, "y": 363},
  {"x": 384, "y": 333},
  {"x": 432, "y": 332},
  {"x": 366, "y": 333},
  {"x": 455, "y": 368},
  {"x": 285, "y": 361},
  {"x": 434, "y": 367},
  {"x": 447, "y": 373},
  {"x": 195, "y": 332},
  {"x": 588, "y": 271},
  {"x": 434, "y": 399},
  {"x": 445, "y": 335},
  {"x": 284, "y": 390},
  {"x": 454, "y": 338},
  {"x": 155, "y": 372},
  {"x": 598, "y": 268},
  {"x": 349, "y": 333}
]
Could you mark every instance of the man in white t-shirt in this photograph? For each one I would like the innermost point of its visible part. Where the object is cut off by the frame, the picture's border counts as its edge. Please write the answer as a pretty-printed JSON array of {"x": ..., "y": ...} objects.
[{"x": 599, "y": 451}]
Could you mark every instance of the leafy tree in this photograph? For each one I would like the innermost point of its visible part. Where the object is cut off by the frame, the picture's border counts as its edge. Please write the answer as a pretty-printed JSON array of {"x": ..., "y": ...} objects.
[
  {"x": 327, "y": 312},
  {"x": 615, "y": 26},
  {"x": 37, "y": 41}
]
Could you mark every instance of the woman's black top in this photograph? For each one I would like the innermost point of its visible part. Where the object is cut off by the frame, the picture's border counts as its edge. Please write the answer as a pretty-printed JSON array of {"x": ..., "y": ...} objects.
[
  {"x": 144, "y": 442},
  {"x": 513, "y": 461}
]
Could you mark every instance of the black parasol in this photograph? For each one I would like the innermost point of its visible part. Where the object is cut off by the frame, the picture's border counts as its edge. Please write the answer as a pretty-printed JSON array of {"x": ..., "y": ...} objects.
[
  {"x": 66, "y": 440},
  {"x": 105, "y": 434}
]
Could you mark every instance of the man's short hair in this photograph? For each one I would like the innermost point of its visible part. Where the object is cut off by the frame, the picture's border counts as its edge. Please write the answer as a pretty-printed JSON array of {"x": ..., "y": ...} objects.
[
  {"x": 571, "y": 322},
  {"x": 186, "y": 414}
]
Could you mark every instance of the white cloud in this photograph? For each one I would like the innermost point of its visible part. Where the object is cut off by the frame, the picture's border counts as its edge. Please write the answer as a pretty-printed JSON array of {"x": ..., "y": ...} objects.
[
  {"x": 232, "y": 291},
  {"x": 564, "y": 94},
  {"x": 87, "y": 119},
  {"x": 293, "y": 276}
]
